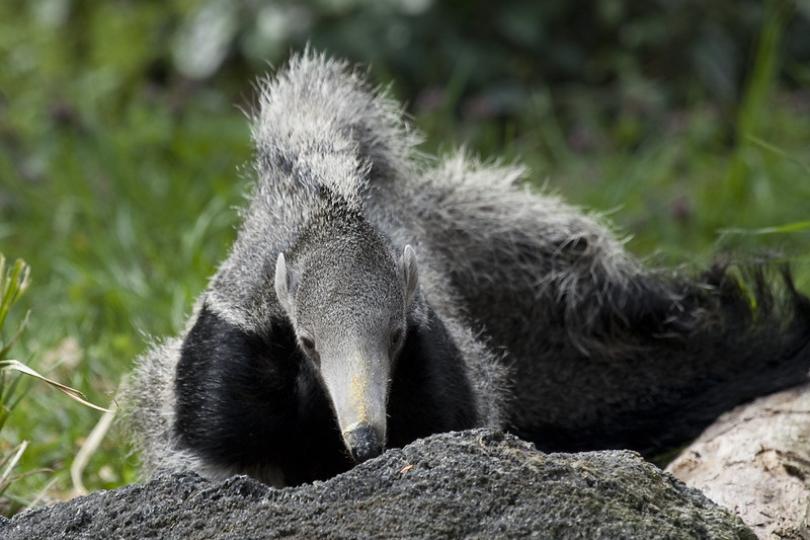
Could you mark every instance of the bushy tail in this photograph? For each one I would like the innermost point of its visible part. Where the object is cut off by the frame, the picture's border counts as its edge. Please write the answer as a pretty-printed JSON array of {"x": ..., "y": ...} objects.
[
  {"x": 657, "y": 358},
  {"x": 732, "y": 335}
]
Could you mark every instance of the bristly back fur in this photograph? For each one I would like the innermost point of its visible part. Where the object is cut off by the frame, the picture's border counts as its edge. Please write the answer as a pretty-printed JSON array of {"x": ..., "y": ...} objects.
[{"x": 603, "y": 350}]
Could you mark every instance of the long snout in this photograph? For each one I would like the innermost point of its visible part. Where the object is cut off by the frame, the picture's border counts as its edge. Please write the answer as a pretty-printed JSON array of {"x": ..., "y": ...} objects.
[{"x": 357, "y": 384}]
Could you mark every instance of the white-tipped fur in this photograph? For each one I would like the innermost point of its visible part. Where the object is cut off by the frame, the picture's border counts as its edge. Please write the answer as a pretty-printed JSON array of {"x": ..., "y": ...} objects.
[
  {"x": 149, "y": 411},
  {"x": 331, "y": 101}
]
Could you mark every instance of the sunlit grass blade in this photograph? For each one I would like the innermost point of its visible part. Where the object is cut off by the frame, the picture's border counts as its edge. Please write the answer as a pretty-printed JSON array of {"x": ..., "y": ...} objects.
[
  {"x": 8, "y": 464},
  {"x": 787, "y": 228}
]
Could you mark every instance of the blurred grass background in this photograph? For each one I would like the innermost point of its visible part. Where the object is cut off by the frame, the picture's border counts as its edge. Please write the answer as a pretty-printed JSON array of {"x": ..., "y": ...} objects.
[{"x": 122, "y": 141}]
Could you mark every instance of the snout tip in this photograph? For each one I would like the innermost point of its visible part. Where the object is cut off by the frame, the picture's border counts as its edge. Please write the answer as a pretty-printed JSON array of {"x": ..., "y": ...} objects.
[{"x": 363, "y": 442}]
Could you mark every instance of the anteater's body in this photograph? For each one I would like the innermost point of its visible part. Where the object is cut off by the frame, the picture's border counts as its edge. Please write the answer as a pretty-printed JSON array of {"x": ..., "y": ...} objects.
[{"x": 372, "y": 298}]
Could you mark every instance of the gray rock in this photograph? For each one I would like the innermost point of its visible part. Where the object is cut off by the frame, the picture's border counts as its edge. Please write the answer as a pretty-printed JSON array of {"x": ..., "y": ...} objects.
[{"x": 476, "y": 484}]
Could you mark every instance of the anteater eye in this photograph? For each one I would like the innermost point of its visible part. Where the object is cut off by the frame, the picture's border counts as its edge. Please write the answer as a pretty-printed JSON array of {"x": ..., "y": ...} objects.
[{"x": 308, "y": 344}]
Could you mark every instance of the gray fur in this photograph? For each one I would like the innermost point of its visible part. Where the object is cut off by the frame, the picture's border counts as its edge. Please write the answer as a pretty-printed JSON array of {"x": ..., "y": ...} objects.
[
  {"x": 322, "y": 137},
  {"x": 150, "y": 411}
]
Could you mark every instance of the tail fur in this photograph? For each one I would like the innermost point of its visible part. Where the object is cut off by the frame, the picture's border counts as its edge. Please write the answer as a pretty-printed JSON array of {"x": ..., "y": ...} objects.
[{"x": 734, "y": 335}]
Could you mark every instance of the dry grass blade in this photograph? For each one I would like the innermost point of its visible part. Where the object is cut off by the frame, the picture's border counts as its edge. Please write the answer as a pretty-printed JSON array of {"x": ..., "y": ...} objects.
[
  {"x": 10, "y": 462},
  {"x": 70, "y": 392},
  {"x": 42, "y": 493},
  {"x": 88, "y": 449}
]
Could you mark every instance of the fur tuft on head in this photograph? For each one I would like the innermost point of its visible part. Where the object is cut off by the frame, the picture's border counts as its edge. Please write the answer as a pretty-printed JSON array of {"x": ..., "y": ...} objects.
[{"x": 319, "y": 107}]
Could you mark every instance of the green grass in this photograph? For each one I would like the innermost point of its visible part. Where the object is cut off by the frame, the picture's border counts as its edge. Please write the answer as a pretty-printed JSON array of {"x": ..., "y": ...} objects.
[
  {"x": 13, "y": 284},
  {"x": 121, "y": 230},
  {"x": 121, "y": 201}
]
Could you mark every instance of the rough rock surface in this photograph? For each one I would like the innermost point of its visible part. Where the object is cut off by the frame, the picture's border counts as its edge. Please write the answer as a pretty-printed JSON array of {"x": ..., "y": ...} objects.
[{"x": 475, "y": 484}]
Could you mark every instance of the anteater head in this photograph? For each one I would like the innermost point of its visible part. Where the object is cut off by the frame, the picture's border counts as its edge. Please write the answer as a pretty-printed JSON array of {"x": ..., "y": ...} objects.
[{"x": 347, "y": 293}]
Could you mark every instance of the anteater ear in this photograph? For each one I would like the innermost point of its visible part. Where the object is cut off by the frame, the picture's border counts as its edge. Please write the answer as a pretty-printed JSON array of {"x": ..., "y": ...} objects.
[
  {"x": 409, "y": 273},
  {"x": 282, "y": 284}
]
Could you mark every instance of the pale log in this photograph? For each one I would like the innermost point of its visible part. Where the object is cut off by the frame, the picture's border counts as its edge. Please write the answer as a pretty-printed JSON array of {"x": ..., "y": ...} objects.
[{"x": 755, "y": 460}]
